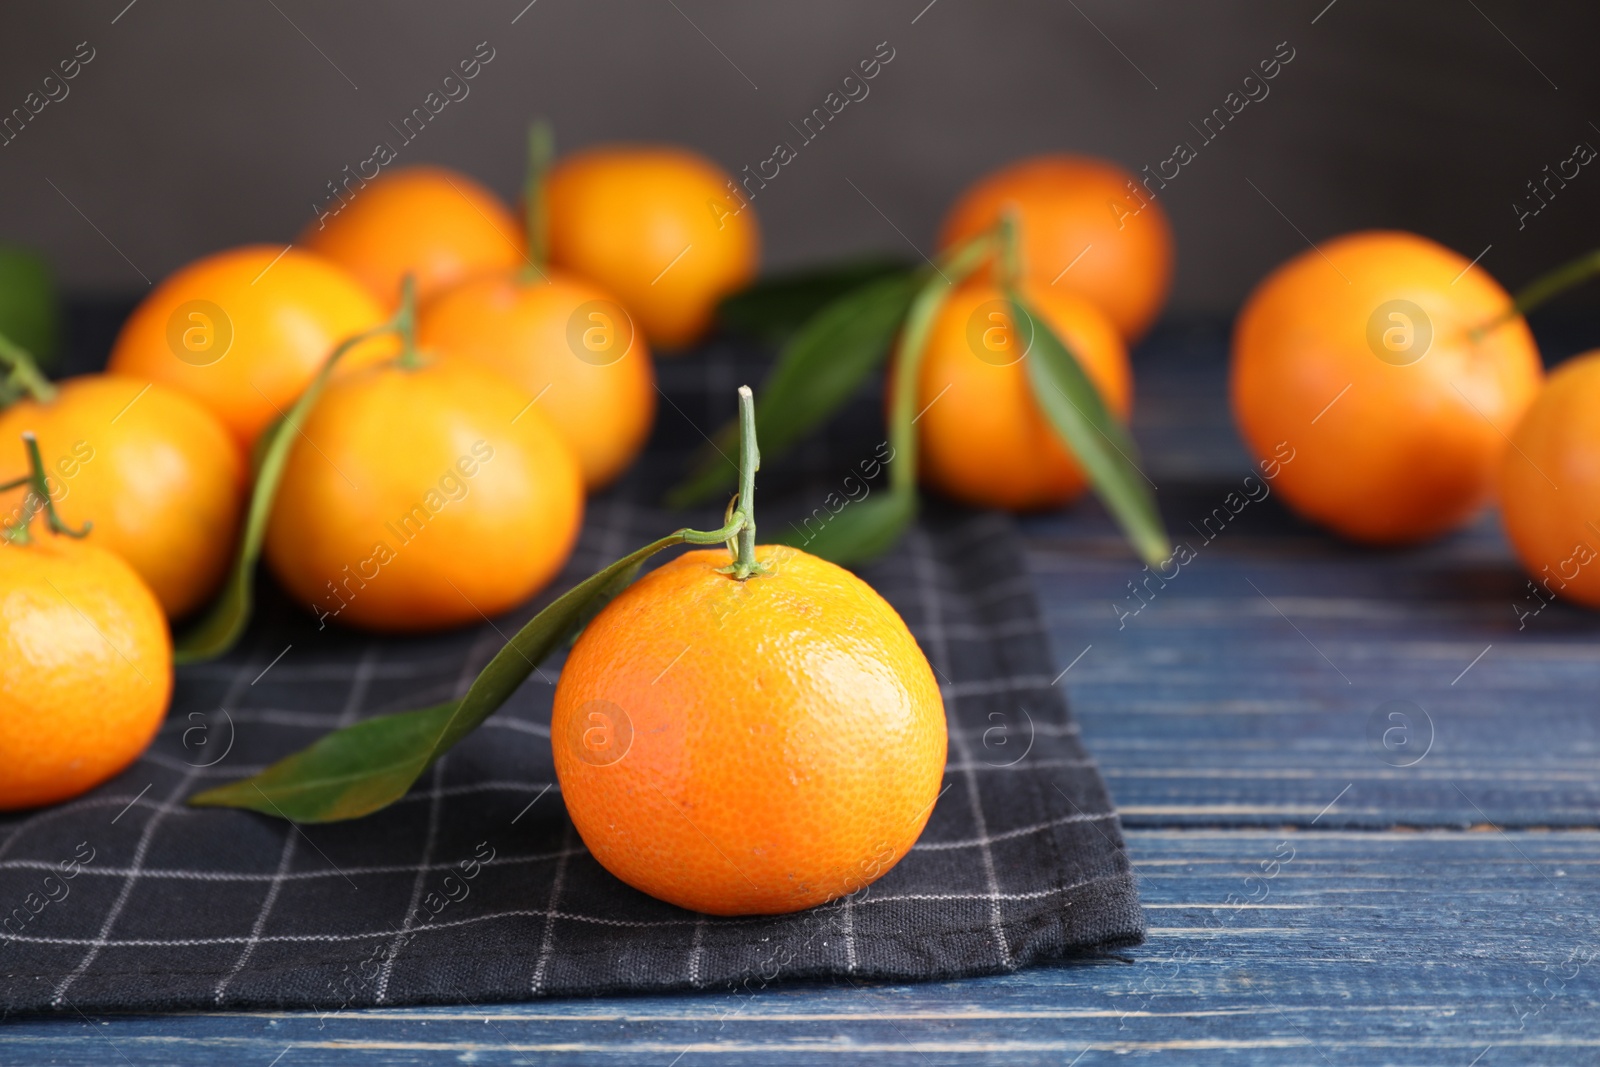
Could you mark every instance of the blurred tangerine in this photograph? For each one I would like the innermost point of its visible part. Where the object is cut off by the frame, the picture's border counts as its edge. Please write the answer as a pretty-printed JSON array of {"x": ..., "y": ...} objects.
[
  {"x": 1087, "y": 227},
  {"x": 1359, "y": 357},
  {"x": 434, "y": 223},
  {"x": 659, "y": 226},
  {"x": 158, "y": 476},
  {"x": 1550, "y": 483},
  {"x": 982, "y": 436},
  {"x": 244, "y": 332},
  {"x": 568, "y": 344}
]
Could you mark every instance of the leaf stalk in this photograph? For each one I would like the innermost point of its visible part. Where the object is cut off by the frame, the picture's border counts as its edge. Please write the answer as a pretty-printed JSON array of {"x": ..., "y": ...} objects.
[
  {"x": 535, "y": 203},
  {"x": 1542, "y": 289},
  {"x": 36, "y": 499},
  {"x": 23, "y": 372}
]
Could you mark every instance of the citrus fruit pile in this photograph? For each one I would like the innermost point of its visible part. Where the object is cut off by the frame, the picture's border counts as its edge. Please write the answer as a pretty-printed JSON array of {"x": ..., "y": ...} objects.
[
  {"x": 1009, "y": 383},
  {"x": 1409, "y": 387},
  {"x": 702, "y": 773},
  {"x": 404, "y": 412},
  {"x": 85, "y": 660},
  {"x": 1401, "y": 377}
]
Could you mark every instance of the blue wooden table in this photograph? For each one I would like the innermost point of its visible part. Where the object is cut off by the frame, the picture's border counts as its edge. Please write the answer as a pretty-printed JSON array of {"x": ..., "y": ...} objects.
[{"x": 1325, "y": 883}]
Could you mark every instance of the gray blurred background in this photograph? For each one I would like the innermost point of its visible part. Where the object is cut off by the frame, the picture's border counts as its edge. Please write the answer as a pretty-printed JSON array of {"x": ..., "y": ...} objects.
[{"x": 201, "y": 125}]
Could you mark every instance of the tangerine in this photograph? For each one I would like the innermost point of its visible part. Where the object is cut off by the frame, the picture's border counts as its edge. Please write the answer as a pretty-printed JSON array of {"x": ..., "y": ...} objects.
[
  {"x": 982, "y": 436},
  {"x": 1086, "y": 226},
  {"x": 1550, "y": 483},
  {"x": 654, "y": 225},
  {"x": 244, "y": 332},
  {"x": 85, "y": 668},
  {"x": 160, "y": 477},
  {"x": 434, "y": 223},
  {"x": 465, "y": 513},
  {"x": 748, "y": 747},
  {"x": 1360, "y": 361},
  {"x": 565, "y": 342}
]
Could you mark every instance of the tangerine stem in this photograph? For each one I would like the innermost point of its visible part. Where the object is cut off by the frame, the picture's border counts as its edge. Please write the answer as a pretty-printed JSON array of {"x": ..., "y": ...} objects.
[
  {"x": 1008, "y": 256},
  {"x": 745, "y": 564},
  {"x": 712, "y": 537},
  {"x": 738, "y": 531},
  {"x": 225, "y": 620},
  {"x": 404, "y": 324},
  {"x": 1544, "y": 288},
  {"x": 535, "y": 210},
  {"x": 24, "y": 371},
  {"x": 38, "y": 497},
  {"x": 914, "y": 333},
  {"x": 728, "y": 522}
]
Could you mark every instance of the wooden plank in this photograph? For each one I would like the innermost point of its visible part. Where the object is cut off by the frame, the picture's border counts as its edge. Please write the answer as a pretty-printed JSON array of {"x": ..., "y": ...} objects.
[
  {"x": 1213, "y": 709},
  {"x": 1266, "y": 947}
]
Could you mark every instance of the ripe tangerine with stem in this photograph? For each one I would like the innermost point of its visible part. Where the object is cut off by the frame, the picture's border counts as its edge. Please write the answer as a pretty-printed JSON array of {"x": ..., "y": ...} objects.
[
  {"x": 748, "y": 738},
  {"x": 85, "y": 659},
  {"x": 982, "y": 436},
  {"x": 1367, "y": 355},
  {"x": 564, "y": 340},
  {"x": 1086, "y": 226},
  {"x": 423, "y": 493},
  {"x": 159, "y": 475}
]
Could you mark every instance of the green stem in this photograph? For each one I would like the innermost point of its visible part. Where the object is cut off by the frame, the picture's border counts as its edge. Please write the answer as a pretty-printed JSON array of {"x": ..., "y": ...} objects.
[
  {"x": 713, "y": 537},
  {"x": 744, "y": 516},
  {"x": 908, "y": 354},
  {"x": 404, "y": 324},
  {"x": 225, "y": 620},
  {"x": 1008, "y": 255},
  {"x": 535, "y": 208},
  {"x": 38, "y": 497},
  {"x": 1544, "y": 288},
  {"x": 24, "y": 372}
]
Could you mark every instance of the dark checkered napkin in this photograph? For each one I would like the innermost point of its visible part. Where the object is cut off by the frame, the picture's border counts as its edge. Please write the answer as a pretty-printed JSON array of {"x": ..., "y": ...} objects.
[{"x": 476, "y": 887}]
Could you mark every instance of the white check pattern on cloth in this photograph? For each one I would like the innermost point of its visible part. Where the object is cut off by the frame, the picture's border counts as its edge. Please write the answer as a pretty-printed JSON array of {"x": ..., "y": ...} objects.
[{"x": 188, "y": 908}]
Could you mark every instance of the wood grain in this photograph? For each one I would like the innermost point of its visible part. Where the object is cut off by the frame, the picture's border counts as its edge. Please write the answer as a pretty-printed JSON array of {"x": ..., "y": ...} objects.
[{"x": 1364, "y": 947}]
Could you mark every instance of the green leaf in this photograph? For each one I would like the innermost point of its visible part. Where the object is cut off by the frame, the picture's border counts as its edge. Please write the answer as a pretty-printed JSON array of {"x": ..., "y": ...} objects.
[
  {"x": 22, "y": 376},
  {"x": 774, "y": 308},
  {"x": 30, "y": 307},
  {"x": 821, "y": 368},
  {"x": 1092, "y": 434},
  {"x": 862, "y": 531},
  {"x": 348, "y": 773},
  {"x": 858, "y": 532},
  {"x": 368, "y": 766},
  {"x": 830, "y": 359},
  {"x": 225, "y": 623}
]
